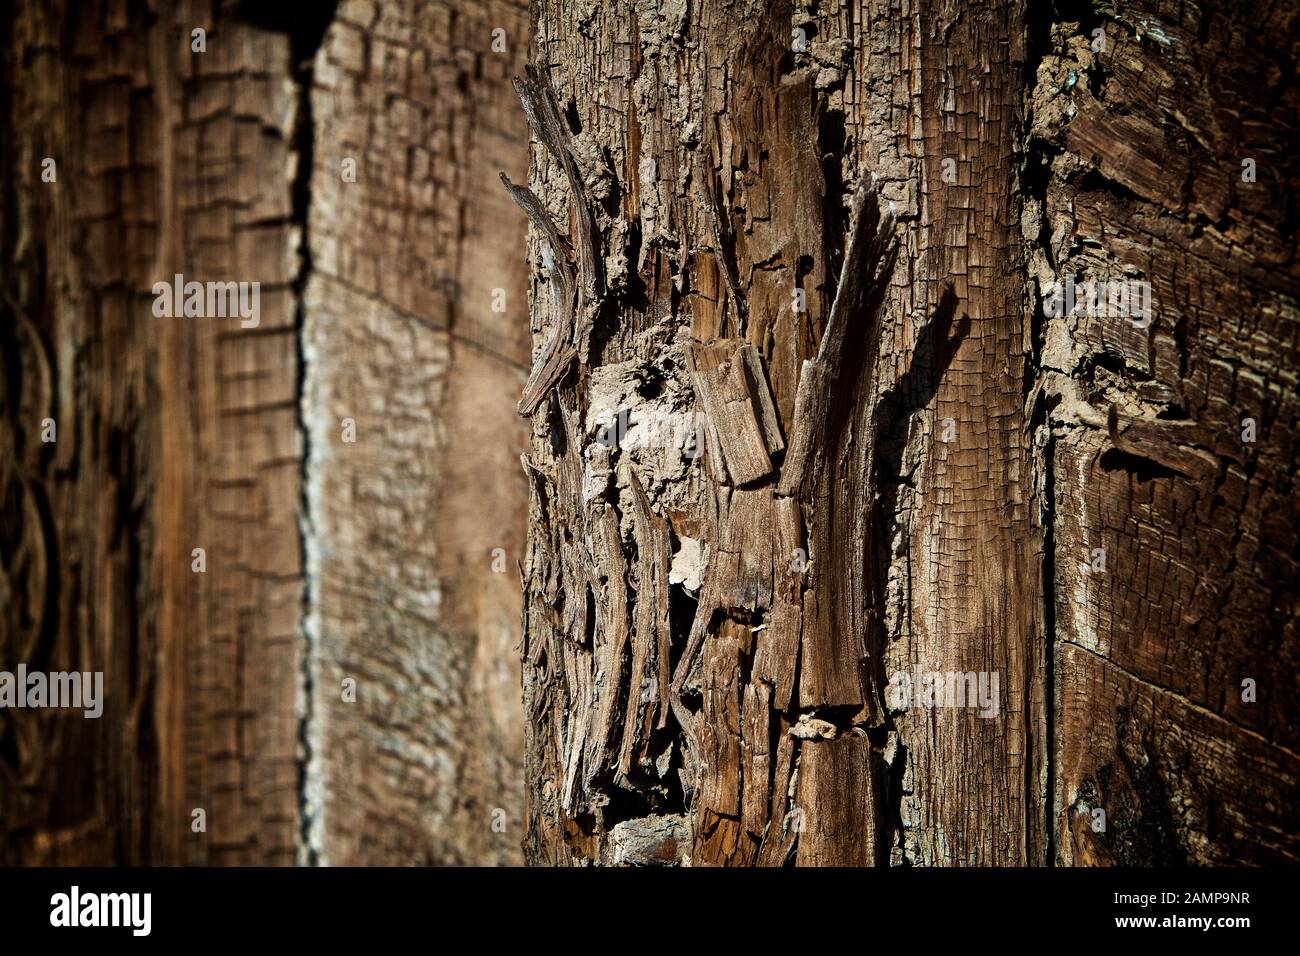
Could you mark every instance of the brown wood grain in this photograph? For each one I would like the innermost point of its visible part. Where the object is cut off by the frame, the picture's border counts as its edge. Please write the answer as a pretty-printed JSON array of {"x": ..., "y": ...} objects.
[
  {"x": 728, "y": 226},
  {"x": 752, "y": 385},
  {"x": 970, "y": 454},
  {"x": 223, "y": 688},
  {"x": 1148, "y": 461},
  {"x": 173, "y": 434}
]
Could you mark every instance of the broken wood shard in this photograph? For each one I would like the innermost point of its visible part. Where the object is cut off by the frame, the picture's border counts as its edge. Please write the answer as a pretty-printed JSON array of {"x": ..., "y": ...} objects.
[
  {"x": 557, "y": 353},
  {"x": 1171, "y": 444},
  {"x": 868, "y": 262},
  {"x": 549, "y": 368},
  {"x": 561, "y": 254},
  {"x": 742, "y": 430},
  {"x": 576, "y": 301},
  {"x": 647, "y": 706},
  {"x": 548, "y": 125}
]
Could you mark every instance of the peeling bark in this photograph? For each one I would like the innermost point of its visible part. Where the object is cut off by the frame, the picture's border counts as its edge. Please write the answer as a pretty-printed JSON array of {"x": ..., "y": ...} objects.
[
  {"x": 804, "y": 424},
  {"x": 727, "y": 169},
  {"x": 905, "y": 461},
  {"x": 1139, "y": 141}
]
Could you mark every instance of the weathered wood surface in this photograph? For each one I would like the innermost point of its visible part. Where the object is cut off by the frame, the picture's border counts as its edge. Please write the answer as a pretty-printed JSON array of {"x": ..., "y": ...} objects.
[
  {"x": 967, "y": 456},
  {"x": 223, "y": 688},
  {"x": 797, "y": 420},
  {"x": 725, "y": 165},
  {"x": 1139, "y": 143},
  {"x": 173, "y": 434},
  {"x": 415, "y": 530}
]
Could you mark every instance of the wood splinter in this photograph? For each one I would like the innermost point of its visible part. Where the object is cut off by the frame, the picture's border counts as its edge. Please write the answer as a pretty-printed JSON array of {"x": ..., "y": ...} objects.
[
  {"x": 576, "y": 302},
  {"x": 868, "y": 262},
  {"x": 743, "y": 431}
]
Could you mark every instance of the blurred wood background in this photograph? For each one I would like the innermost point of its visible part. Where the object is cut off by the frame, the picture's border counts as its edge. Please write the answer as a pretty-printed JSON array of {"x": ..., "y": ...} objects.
[{"x": 182, "y": 434}]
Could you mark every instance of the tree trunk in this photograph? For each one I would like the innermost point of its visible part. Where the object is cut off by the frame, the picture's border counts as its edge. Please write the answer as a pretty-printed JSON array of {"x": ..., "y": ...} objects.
[
  {"x": 171, "y": 436},
  {"x": 806, "y": 426},
  {"x": 416, "y": 529},
  {"x": 1172, "y": 448},
  {"x": 830, "y": 232},
  {"x": 223, "y": 687}
]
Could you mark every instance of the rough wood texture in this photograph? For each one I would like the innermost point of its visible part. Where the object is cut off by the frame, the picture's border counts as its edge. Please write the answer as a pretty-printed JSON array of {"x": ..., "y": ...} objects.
[
  {"x": 947, "y": 471},
  {"x": 974, "y": 787},
  {"x": 182, "y": 433},
  {"x": 173, "y": 434},
  {"x": 1138, "y": 175},
  {"x": 743, "y": 434},
  {"x": 800, "y": 419},
  {"x": 411, "y": 598},
  {"x": 720, "y": 166}
]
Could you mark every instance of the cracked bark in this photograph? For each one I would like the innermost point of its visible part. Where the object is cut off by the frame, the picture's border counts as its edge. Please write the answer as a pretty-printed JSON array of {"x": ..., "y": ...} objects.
[
  {"x": 410, "y": 596},
  {"x": 912, "y": 469},
  {"x": 721, "y": 170},
  {"x": 1139, "y": 148},
  {"x": 946, "y": 477},
  {"x": 172, "y": 435},
  {"x": 175, "y": 434}
]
